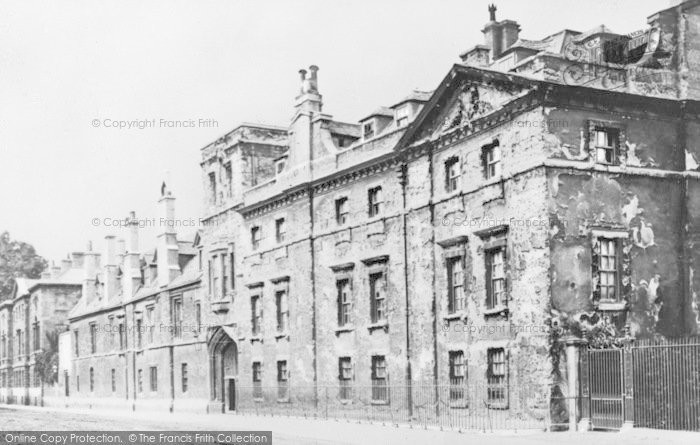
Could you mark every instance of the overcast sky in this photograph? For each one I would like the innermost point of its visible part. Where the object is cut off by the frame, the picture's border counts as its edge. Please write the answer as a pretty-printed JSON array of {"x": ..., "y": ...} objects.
[{"x": 64, "y": 64}]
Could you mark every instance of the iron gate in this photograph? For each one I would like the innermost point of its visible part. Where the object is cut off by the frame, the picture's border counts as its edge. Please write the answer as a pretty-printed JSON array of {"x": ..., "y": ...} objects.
[{"x": 606, "y": 397}]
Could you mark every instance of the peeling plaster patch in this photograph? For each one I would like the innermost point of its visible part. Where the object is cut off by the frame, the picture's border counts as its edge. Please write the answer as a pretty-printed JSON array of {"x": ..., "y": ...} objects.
[
  {"x": 643, "y": 235},
  {"x": 631, "y": 210},
  {"x": 690, "y": 162},
  {"x": 566, "y": 149},
  {"x": 633, "y": 159}
]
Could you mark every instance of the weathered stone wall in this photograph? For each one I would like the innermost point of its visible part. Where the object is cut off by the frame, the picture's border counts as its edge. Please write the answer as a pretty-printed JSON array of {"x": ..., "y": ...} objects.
[
  {"x": 355, "y": 245},
  {"x": 650, "y": 207}
]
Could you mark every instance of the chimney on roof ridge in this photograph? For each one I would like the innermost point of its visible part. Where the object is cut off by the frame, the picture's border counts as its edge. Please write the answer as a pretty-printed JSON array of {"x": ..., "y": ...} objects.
[
  {"x": 309, "y": 99},
  {"x": 90, "y": 269},
  {"x": 55, "y": 270},
  {"x": 499, "y": 36},
  {"x": 65, "y": 265},
  {"x": 111, "y": 268},
  {"x": 131, "y": 272},
  {"x": 168, "y": 265}
]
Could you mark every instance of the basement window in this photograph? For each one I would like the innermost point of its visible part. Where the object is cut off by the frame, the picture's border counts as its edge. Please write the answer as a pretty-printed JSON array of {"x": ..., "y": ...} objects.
[
  {"x": 345, "y": 378},
  {"x": 497, "y": 378},
  {"x": 380, "y": 389},
  {"x": 282, "y": 381},
  {"x": 257, "y": 380},
  {"x": 458, "y": 375}
]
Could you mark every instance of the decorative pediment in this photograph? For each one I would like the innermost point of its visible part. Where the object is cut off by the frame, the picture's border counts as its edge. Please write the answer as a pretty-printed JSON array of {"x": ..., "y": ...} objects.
[
  {"x": 467, "y": 99},
  {"x": 473, "y": 100}
]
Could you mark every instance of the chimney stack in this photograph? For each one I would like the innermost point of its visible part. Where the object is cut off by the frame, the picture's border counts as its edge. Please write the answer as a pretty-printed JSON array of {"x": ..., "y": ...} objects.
[
  {"x": 131, "y": 272},
  {"x": 168, "y": 265},
  {"x": 111, "y": 268},
  {"x": 66, "y": 264},
  {"x": 499, "y": 36},
  {"x": 309, "y": 99},
  {"x": 77, "y": 259},
  {"x": 55, "y": 270},
  {"x": 90, "y": 267}
]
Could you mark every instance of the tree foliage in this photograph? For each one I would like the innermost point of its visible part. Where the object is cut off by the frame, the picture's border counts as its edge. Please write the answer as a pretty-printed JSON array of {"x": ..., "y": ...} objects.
[
  {"x": 47, "y": 360},
  {"x": 17, "y": 259}
]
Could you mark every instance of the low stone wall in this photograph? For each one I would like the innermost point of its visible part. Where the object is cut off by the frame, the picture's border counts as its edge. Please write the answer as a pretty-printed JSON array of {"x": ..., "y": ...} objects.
[{"x": 198, "y": 406}]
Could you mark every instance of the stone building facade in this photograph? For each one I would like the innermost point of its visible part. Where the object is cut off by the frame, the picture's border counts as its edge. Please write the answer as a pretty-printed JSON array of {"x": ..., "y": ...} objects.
[
  {"x": 33, "y": 316},
  {"x": 136, "y": 338},
  {"x": 545, "y": 189}
]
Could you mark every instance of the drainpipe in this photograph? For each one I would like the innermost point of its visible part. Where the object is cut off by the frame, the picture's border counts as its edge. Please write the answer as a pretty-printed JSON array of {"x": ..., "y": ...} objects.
[
  {"x": 684, "y": 222},
  {"x": 433, "y": 308},
  {"x": 403, "y": 179},
  {"x": 133, "y": 358},
  {"x": 313, "y": 259},
  {"x": 172, "y": 379}
]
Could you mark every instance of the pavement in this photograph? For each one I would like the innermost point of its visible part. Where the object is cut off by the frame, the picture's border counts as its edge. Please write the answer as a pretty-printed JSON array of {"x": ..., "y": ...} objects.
[{"x": 296, "y": 430}]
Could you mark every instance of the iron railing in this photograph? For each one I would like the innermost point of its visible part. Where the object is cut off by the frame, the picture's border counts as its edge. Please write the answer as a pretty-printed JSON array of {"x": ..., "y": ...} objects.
[
  {"x": 667, "y": 384},
  {"x": 448, "y": 405}
]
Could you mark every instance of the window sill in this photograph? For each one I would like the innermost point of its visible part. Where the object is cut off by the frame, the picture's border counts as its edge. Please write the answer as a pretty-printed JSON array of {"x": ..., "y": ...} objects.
[
  {"x": 498, "y": 310},
  {"x": 379, "y": 325},
  {"x": 459, "y": 404},
  {"x": 461, "y": 315},
  {"x": 611, "y": 306},
  {"x": 282, "y": 334},
  {"x": 497, "y": 405},
  {"x": 256, "y": 338},
  {"x": 379, "y": 402},
  {"x": 451, "y": 193},
  {"x": 258, "y": 399},
  {"x": 287, "y": 400},
  {"x": 345, "y": 328}
]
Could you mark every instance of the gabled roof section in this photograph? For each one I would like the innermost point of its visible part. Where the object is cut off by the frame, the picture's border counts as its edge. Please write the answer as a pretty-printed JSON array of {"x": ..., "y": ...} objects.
[
  {"x": 466, "y": 93},
  {"x": 414, "y": 96},
  {"x": 598, "y": 30},
  {"x": 381, "y": 111}
]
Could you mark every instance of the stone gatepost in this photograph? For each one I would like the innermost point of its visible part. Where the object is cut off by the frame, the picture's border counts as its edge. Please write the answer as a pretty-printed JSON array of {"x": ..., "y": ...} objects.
[
  {"x": 576, "y": 359},
  {"x": 628, "y": 379}
]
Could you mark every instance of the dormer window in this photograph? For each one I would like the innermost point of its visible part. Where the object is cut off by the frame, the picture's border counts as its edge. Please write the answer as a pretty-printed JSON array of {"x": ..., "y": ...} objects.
[
  {"x": 280, "y": 164},
  {"x": 402, "y": 116},
  {"x": 368, "y": 130}
]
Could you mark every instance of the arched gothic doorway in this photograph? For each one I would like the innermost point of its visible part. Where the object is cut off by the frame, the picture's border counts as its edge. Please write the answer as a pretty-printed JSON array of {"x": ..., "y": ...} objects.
[{"x": 223, "y": 358}]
